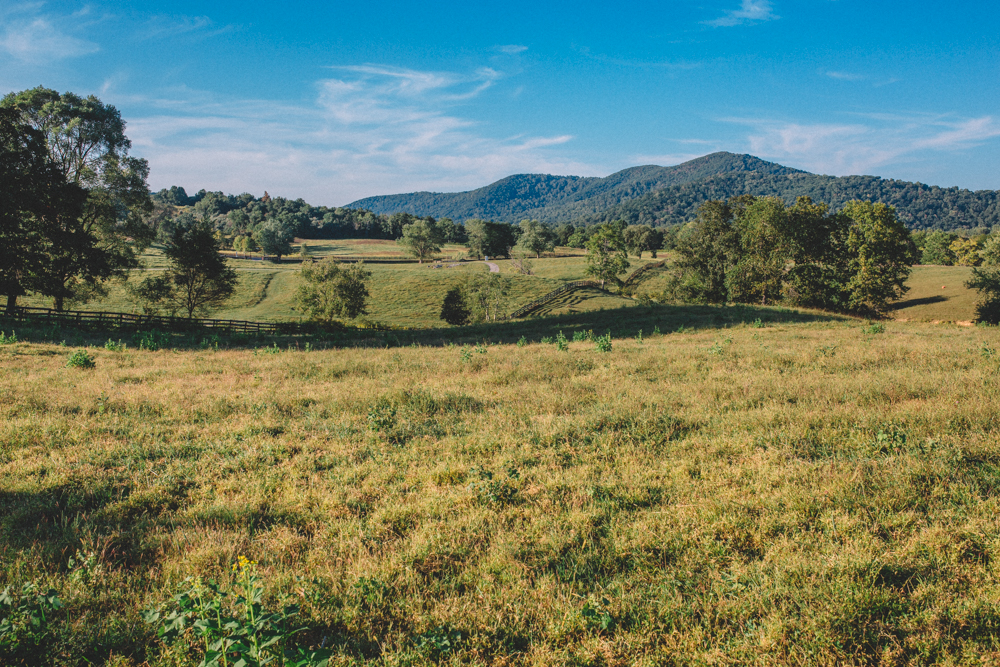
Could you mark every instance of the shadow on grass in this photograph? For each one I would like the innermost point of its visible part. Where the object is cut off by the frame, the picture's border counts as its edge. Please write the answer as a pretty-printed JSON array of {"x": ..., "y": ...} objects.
[
  {"x": 909, "y": 303},
  {"x": 624, "y": 322}
]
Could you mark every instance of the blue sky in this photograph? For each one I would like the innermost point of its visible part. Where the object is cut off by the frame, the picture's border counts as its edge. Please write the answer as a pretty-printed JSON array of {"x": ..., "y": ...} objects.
[{"x": 336, "y": 101}]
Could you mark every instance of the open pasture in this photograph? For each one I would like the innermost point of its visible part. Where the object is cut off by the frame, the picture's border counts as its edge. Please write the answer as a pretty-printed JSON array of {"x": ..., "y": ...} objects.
[
  {"x": 743, "y": 486},
  {"x": 410, "y": 294}
]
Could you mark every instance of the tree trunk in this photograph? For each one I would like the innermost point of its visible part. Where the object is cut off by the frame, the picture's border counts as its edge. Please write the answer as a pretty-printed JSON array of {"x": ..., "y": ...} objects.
[
  {"x": 57, "y": 302},
  {"x": 11, "y": 303}
]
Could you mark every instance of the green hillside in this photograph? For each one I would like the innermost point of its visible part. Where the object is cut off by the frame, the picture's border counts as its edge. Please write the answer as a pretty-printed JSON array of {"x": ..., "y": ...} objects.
[
  {"x": 671, "y": 195},
  {"x": 549, "y": 198}
]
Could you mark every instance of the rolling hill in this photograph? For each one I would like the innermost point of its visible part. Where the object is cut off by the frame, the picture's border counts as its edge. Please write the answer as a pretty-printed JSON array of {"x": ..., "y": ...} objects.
[{"x": 670, "y": 195}]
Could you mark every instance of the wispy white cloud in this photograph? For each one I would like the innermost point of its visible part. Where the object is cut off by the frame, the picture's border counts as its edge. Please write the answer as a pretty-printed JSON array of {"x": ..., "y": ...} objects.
[
  {"x": 512, "y": 49},
  {"x": 372, "y": 130},
  {"x": 168, "y": 27},
  {"x": 861, "y": 147},
  {"x": 664, "y": 160},
  {"x": 640, "y": 64},
  {"x": 40, "y": 39},
  {"x": 845, "y": 76},
  {"x": 750, "y": 11}
]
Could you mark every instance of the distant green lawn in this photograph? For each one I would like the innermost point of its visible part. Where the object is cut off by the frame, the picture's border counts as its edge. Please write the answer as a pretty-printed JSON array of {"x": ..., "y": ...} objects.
[{"x": 938, "y": 293}]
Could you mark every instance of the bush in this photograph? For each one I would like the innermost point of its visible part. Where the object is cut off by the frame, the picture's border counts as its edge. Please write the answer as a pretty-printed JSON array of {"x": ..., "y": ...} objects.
[
  {"x": 8, "y": 340},
  {"x": 603, "y": 343},
  {"x": 113, "y": 346},
  {"x": 453, "y": 310},
  {"x": 80, "y": 359}
]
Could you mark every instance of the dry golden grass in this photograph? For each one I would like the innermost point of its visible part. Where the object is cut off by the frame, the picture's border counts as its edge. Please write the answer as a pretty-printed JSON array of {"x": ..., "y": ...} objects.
[{"x": 809, "y": 492}]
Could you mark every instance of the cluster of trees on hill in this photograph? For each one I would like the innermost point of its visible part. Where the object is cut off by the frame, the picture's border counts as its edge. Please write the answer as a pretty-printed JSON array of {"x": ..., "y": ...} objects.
[
  {"x": 919, "y": 206},
  {"x": 751, "y": 249},
  {"x": 74, "y": 206},
  {"x": 951, "y": 249},
  {"x": 246, "y": 223}
]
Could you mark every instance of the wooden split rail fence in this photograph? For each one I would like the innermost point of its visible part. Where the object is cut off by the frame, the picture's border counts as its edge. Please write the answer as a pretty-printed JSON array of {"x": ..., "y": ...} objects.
[
  {"x": 132, "y": 320},
  {"x": 531, "y": 307},
  {"x": 635, "y": 275},
  {"x": 551, "y": 296}
]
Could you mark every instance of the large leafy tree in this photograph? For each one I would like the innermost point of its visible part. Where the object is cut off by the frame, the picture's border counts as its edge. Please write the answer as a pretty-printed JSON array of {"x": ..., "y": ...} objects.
[
  {"x": 606, "y": 253},
  {"x": 421, "y": 239},
  {"x": 707, "y": 250},
  {"x": 275, "y": 238},
  {"x": 330, "y": 291},
  {"x": 880, "y": 255},
  {"x": 763, "y": 252},
  {"x": 642, "y": 238},
  {"x": 489, "y": 239},
  {"x": 818, "y": 274},
  {"x": 34, "y": 192},
  {"x": 535, "y": 237},
  {"x": 986, "y": 280},
  {"x": 86, "y": 246},
  {"x": 198, "y": 279}
]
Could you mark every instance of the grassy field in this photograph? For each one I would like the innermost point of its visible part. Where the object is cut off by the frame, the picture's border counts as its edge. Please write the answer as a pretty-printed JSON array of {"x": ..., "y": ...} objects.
[
  {"x": 406, "y": 294},
  {"x": 745, "y": 486},
  {"x": 410, "y": 295},
  {"x": 937, "y": 293}
]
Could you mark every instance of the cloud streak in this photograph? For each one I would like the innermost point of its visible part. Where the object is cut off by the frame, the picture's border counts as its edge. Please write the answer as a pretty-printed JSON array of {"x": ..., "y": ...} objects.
[
  {"x": 861, "y": 147},
  {"x": 750, "y": 11},
  {"x": 40, "y": 40},
  {"x": 371, "y": 130}
]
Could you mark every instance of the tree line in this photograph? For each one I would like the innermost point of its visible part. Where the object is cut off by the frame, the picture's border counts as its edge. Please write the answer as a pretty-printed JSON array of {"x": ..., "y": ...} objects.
[{"x": 919, "y": 206}]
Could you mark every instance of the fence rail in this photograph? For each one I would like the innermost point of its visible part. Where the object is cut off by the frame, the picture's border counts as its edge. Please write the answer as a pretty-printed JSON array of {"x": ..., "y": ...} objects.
[
  {"x": 551, "y": 296},
  {"x": 120, "y": 320},
  {"x": 635, "y": 275}
]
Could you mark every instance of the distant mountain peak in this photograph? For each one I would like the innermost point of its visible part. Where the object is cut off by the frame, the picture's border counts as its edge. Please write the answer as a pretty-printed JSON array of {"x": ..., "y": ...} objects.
[{"x": 518, "y": 195}]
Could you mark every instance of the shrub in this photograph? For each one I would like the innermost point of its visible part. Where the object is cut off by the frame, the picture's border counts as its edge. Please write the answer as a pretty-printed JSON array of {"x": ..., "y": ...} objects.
[
  {"x": 454, "y": 311},
  {"x": 603, "y": 343},
  {"x": 874, "y": 328},
  {"x": 80, "y": 359},
  {"x": 8, "y": 340},
  {"x": 561, "y": 343}
]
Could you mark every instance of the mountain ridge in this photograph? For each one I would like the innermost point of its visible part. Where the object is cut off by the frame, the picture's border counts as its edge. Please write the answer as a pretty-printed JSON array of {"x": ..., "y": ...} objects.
[{"x": 651, "y": 194}]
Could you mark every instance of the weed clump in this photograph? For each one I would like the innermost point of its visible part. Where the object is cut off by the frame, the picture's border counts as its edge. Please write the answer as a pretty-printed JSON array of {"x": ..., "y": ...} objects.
[
  {"x": 80, "y": 359},
  {"x": 243, "y": 633}
]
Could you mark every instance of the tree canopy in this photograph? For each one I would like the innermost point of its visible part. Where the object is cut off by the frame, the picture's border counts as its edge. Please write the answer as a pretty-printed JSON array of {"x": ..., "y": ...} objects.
[
  {"x": 421, "y": 239},
  {"x": 198, "y": 279},
  {"x": 758, "y": 250},
  {"x": 606, "y": 253},
  {"x": 85, "y": 245},
  {"x": 331, "y": 290}
]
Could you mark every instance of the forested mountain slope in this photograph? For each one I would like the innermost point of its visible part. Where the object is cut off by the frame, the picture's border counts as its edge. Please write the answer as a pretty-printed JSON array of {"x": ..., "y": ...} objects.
[
  {"x": 549, "y": 198},
  {"x": 670, "y": 195}
]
